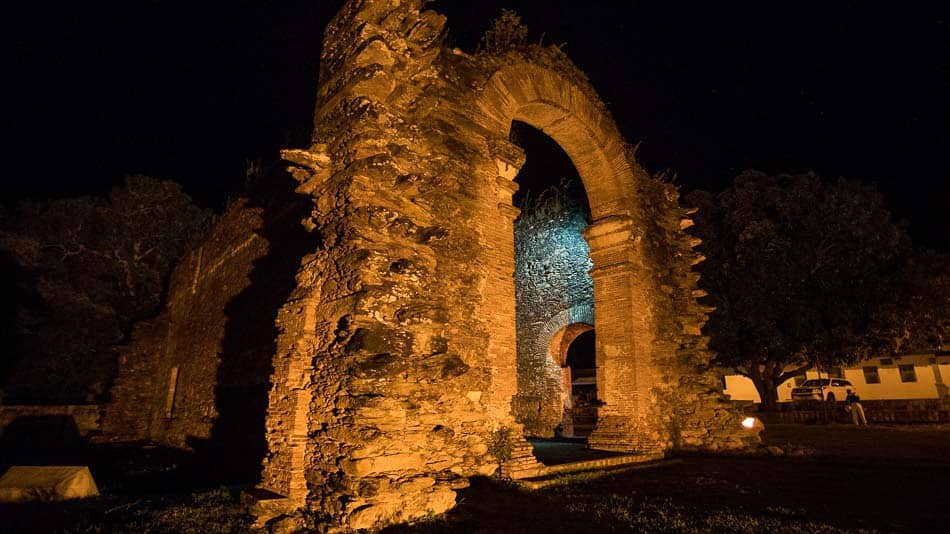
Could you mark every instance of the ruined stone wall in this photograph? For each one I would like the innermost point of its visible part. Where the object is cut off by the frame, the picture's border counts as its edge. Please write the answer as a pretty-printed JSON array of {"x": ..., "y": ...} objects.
[
  {"x": 201, "y": 288},
  {"x": 384, "y": 388},
  {"x": 690, "y": 408},
  {"x": 135, "y": 392},
  {"x": 396, "y": 357},
  {"x": 197, "y": 376},
  {"x": 386, "y": 340},
  {"x": 187, "y": 336},
  {"x": 553, "y": 289}
]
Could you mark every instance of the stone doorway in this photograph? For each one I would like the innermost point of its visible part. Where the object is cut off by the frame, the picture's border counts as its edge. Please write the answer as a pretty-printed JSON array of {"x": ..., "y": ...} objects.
[
  {"x": 572, "y": 348},
  {"x": 583, "y": 385},
  {"x": 624, "y": 285}
]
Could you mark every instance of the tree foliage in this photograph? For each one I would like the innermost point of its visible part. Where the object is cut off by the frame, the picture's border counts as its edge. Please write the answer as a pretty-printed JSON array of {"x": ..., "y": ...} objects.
[
  {"x": 86, "y": 268},
  {"x": 802, "y": 272},
  {"x": 506, "y": 33},
  {"x": 921, "y": 320}
]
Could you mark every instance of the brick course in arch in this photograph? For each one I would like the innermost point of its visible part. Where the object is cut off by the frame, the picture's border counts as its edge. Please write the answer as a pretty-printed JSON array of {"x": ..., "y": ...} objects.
[{"x": 562, "y": 330}]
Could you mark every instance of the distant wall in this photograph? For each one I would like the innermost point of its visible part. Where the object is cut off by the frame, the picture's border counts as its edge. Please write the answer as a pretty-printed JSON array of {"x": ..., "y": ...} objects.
[
  {"x": 198, "y": 375},
  {"x": 552, "y": 290},
  {"x": 876, "y": 411},
  {"x": 135, "y": 390},
  {"x": 188, "y": 337}
]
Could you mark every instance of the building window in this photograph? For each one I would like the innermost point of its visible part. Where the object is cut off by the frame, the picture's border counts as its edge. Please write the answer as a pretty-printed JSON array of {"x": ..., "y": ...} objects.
[
  {"x": 870, "y": 375},
  {"x": 887, "y": 361},
  {"x": 908, "y": 373}
]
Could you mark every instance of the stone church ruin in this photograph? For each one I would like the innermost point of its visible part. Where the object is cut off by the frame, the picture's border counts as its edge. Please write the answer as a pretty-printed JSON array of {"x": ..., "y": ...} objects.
[{"x": 355, "y": 342}]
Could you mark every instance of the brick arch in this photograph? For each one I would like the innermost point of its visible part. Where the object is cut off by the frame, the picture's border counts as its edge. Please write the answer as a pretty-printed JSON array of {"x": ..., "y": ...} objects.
[
  {"x": 559, "y": 331},
  {"x": 567, "y": 109},
  {"x": 567, "y": 112},
  {"x": 561, "y": 341}
]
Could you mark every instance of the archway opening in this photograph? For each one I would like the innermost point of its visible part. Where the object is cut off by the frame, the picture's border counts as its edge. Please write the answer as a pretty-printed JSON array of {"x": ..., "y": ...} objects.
[
  {"x": 553, "y": 287},
  {"x": 546, "y": 166},
  {"x": 581, "y": 362},
  {"x": 568, "y": 111}
]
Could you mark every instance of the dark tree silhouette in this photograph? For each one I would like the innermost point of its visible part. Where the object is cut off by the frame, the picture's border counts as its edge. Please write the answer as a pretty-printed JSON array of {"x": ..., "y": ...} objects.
[
  {"x": 802, "y": 272},
  {"x": 506, "y": 33},
  {"x": 86, "y": 268},
  {"x": 921, "y": 319}
]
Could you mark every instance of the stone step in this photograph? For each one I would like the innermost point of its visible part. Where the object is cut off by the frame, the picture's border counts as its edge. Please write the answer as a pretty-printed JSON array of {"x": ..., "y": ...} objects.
[{"x": 588, "y": 470}]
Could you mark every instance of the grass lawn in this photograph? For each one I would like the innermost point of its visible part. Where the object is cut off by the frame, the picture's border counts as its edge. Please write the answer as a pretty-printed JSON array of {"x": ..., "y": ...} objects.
[{"x": 829, "y": 478}]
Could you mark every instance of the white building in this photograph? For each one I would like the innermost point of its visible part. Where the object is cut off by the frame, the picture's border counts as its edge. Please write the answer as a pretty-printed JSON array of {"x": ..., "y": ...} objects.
[{"x": 911, "y": 376}]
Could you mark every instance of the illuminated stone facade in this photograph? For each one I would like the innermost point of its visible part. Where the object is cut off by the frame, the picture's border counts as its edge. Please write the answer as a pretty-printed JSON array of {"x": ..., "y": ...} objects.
[{"x": 393, "y": 356}]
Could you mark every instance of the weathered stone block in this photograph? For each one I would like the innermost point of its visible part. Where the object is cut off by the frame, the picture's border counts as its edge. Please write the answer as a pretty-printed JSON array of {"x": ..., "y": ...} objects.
[
  {"x": 412, "y": 462},
  {"x": 46, "y": 483}
]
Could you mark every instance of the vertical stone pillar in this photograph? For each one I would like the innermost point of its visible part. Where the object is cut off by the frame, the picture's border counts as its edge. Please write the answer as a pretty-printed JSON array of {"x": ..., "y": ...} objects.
[
  {"x": 288, "y": 428},
  {"x": 622, "y": 314},
  {"x": 299, "y": 374},
  {"x": 499, "y": 293},
  {"x": 498, "y": 302}
]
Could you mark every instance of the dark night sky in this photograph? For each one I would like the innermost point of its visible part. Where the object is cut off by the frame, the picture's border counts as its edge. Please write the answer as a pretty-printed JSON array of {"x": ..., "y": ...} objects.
[{"x": 189, "y": 90}]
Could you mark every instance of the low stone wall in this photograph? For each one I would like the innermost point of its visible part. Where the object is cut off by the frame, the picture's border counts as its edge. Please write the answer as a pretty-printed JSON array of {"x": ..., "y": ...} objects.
[
  {"x": 86, "y": 417},
  {"x": 876, "y": 411}
]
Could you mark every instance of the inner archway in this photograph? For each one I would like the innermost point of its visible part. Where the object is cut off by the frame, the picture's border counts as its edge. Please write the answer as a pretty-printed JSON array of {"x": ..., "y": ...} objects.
[
  {"x": 553, "y": 287},
  {"x": 583, "y": 386},
  {"x": 572, "y": 349}
]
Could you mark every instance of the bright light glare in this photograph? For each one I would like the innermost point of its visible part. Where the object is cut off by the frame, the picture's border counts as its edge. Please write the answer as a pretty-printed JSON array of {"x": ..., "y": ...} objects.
[{"x": 748, "y": 422}]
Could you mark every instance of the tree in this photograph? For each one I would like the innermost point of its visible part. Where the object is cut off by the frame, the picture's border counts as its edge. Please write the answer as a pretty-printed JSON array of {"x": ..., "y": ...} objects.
[
  {"x": 507, "y": 33},
  {"x": 802, "y": 273},
  {"x": 86, "y": 269},
  {"x": 921, "y": 320}
]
